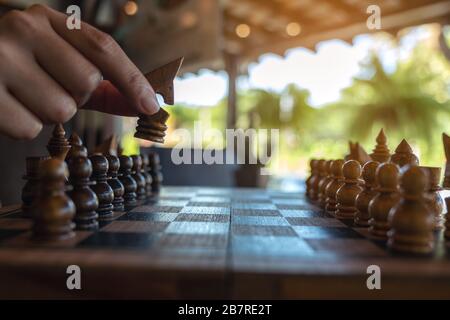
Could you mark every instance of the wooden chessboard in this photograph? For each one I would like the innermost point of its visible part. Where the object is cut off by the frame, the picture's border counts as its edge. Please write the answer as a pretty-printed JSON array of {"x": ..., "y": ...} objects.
[{"x": 216, "y": 243}]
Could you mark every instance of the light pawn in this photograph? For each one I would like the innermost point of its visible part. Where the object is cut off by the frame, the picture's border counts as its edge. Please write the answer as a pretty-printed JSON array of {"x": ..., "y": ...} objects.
[
  {"x": 334, "y": 185},
  {"x": 346, "y": 195},
  {"x": 411, "y": 221},
  {"x": 363, "y": 199},
  {"x": 388, "y": 196}
]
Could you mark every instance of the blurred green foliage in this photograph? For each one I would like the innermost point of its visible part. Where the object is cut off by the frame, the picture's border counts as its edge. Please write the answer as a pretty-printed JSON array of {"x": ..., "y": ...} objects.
[{"x": 412, "y": 102}]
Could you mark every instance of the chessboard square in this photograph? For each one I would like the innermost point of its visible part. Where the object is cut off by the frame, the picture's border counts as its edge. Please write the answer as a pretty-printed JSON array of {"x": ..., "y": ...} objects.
[
  {"x": 314, "y": 232},
  {"x": 284, "y": 201},
  {"x": 252, "y": 230},
  {"x": 198, "y": 228},
  {"x": 176, "y": 193},
  {"x": 350, "y": 247},
  {"x": 256, "y": 212},
  {"x": 213, "y": 192},
  {"x": 208, "y": 204},
  {"x": 238, "y": 200},
  {"x": 209, "y": 241},
  {"x": 206, "y": 210},
  {"x": 224, "y": 218},
  {"x": 262, "y": 221},
  {"x": 295, "y": 207},
  {"x": 319, "y": 222},
  {"x": 119, "y": 240},
  {"x": 302, "y": 213},
  {"x": 285, "y": 195},
  {"x": 269, "y": 246},
  {"x": 254, "y": 206},
  {"x": 171, "y": 203},
  {"x": 136, "y": 226},
  {"x": 157, "y": 208},
  {"x": 148, "y": 216},
  {"x": 173, "y": 198},
  {"x": 211, "y": 199}
]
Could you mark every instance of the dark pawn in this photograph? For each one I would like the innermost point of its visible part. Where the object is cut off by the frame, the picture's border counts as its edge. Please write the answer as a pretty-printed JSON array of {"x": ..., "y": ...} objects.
[
  {"x": 115, "y": 183},
  {"x": 77, "y": 148},
  {"x": 104, "y": 192},
  {"x": 155, "y": 171},
  {"x": 129, "y": 184},
  {"x": 141, "y": 191},
  {"x": 145, "y": 172},
  {"x": 53, "y": 210},
  {"x": 85, "y": 199},
  {"x": 30, "y": 190}
]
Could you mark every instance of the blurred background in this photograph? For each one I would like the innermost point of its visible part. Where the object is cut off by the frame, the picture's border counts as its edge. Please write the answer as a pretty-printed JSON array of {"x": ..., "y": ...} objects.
[{"x": 313, "y": 69}]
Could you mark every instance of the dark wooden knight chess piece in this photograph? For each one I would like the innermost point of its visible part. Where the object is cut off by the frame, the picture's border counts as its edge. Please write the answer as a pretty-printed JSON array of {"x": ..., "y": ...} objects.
[
  {"x": 104, "y": 192},
  {"x": 53, "y": 210},
  {"x": 129, "y": 184},
  {"x": 114, "y": 182},
  {"x": 153, "y": 127},
  {"x": 85, "y": 199}
]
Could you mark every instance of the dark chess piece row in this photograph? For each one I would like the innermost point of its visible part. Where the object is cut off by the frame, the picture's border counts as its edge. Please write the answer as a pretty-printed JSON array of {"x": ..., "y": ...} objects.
[
  {"x": 95, "y": 185},
  {"x": 397, "y": 200}
]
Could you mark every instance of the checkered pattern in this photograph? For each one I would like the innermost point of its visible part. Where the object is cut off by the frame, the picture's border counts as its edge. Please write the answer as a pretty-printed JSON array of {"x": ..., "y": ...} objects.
[{"x": 210, "y": 222}]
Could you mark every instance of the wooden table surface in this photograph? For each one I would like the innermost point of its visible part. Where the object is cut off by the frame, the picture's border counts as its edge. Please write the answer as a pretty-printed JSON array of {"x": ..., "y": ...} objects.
[{"x": 216, "y": 243}]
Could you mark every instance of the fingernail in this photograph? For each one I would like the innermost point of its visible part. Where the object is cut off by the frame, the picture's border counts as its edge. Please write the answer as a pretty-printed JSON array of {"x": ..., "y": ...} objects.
[{"x": 149, "y": 103}]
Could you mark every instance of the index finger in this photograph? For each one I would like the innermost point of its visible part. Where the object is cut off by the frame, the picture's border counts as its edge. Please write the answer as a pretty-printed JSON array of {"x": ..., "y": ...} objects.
[{"x": 104, "y": 52}]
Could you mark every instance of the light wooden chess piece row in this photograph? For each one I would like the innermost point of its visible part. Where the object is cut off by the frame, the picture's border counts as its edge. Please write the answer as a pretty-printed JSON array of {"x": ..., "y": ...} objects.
[{"x": 397, "y": 200}]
